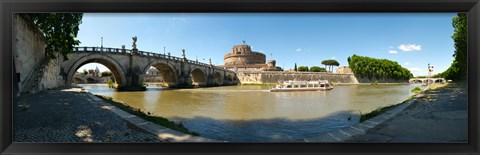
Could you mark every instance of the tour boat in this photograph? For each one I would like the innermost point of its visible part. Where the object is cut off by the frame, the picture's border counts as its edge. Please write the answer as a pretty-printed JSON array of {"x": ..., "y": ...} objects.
[{"x": 321, "y": 85}]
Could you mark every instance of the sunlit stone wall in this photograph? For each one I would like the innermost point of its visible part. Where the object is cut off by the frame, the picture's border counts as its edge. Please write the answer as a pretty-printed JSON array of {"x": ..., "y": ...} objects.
[
  {"x": 276, "y": 76},
  {"x": 29, "y": 51}
]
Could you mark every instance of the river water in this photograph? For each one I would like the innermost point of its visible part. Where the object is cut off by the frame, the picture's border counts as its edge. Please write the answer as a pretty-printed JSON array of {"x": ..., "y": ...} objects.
[{"x": 253, "y": 114}]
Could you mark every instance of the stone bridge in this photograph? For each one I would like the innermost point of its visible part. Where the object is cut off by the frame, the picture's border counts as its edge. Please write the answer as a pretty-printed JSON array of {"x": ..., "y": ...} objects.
[
  {"x": 129, "y": 66},
  {"x": 424, "y": 80}
]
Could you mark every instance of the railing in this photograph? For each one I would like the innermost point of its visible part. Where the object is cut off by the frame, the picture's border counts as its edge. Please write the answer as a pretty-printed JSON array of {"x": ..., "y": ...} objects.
[{"x": 129, "y": 51}]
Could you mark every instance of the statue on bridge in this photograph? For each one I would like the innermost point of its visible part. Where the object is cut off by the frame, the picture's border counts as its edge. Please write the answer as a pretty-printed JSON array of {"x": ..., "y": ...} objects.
[
  {"x": 134, "y": 45},
  {"x": 183, "y": 53}
]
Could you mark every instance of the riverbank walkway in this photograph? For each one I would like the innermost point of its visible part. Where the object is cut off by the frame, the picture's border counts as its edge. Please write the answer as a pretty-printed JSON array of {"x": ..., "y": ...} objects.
[
  {"x": 438, "y": 115},
  {"x": 70, "y": 115}
]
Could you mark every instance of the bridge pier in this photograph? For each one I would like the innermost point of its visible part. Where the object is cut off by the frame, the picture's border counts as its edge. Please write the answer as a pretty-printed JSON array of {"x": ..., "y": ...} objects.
[{"x": 133, "y": 77}]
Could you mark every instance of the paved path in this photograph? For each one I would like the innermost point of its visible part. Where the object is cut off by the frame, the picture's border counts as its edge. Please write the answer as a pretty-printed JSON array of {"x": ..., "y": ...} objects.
[
  {"x": 438, "y": 116},
  {"x": 63, "y": 115}
]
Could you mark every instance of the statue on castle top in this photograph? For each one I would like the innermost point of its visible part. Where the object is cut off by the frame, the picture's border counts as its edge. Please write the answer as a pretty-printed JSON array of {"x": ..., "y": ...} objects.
[{"x": 134, "y": 45}]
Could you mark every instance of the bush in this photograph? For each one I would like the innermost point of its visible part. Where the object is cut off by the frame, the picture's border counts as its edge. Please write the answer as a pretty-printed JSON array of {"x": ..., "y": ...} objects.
[
  {"x": 416, "y": 90},
  {"x": 302, "y": 69},
  {"x": 317, "y": 69},
  {"x": 110, "y": 83},
  {"x": 106, "y": 73}
]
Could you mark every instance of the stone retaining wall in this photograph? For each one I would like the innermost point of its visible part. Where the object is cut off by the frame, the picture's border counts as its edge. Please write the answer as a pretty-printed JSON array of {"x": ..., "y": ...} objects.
[
  {"x": 29, "y": 51},
  {"x": 275, "y": 76},
  {"x": 152, "y": 78},
  {"x": 52, "y": 76}
]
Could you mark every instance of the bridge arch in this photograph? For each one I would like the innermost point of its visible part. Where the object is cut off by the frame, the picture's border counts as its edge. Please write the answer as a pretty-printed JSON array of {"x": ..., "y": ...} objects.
[
  {"x": 110, "y": 63},
  {"x": 170, "y": 76},
  {"x": 218, "y": 78},
  {"x": 229, "y": 78},
  {"x": 199, "y": 77}
]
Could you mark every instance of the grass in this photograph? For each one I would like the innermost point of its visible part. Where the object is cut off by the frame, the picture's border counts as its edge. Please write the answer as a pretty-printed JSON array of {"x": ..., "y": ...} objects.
[
  {"x": 155, "y": 119},
  {"x": 377, "y": 112},
  {"x": 436, "y": 86},
  {"x": 416, "y": 90}
]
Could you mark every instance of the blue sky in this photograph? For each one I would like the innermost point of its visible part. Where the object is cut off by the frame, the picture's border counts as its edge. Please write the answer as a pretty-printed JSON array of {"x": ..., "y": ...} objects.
[{"x": 411, "y": 39}]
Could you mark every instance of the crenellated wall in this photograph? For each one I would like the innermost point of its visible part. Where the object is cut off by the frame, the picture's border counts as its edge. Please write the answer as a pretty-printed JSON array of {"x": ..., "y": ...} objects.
[{"x": 275, "y": 76}]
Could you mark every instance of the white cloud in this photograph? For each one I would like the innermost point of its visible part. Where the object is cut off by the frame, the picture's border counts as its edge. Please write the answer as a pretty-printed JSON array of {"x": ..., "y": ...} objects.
[
  {"x": 415, "y": 69},
  {"x": 299, "y": 49},
  {"x": 410, "y": 47},
  {"x": 392, "y": 52},
  {"x": 406, "y": 63},
  {"x": 333, "y": 57}
]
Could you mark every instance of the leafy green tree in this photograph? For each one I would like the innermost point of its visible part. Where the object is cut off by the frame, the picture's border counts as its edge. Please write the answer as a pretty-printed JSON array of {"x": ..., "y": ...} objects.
[
  {"x": 295, "y": 67},
  {"x": 371, "y": 68},
  {"x": 85, "y": 72},
  {"x": 317, "y": 69},
  {"x": 279, "y": 68},
  {"x": 458, "y": 68},
  {"x": 303, "y": 69},
  {"x": 59, "y": 30},
  {"x": 106, "y": 73}
]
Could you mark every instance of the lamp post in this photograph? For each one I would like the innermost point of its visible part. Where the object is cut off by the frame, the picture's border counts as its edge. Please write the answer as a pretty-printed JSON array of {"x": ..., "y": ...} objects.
[{"x": 430, "y": 70}]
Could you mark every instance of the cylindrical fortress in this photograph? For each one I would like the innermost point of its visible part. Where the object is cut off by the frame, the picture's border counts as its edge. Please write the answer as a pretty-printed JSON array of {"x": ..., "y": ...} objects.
[{"x": 243, "y": 55}]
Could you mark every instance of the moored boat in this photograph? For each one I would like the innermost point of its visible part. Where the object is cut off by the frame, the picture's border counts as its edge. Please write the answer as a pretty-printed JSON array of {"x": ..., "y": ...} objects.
[{"x": 320, "y": 85}]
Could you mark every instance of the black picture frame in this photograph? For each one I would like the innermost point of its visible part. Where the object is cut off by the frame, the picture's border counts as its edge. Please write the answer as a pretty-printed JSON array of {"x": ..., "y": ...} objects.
[{"x": 7, "y": 78}]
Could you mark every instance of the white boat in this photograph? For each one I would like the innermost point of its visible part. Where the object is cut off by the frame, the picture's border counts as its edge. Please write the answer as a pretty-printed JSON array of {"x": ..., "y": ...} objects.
[{"x": 321, "y": 85}]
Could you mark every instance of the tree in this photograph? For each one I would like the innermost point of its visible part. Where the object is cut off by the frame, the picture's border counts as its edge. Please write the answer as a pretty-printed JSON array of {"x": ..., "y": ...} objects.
[
  {"x": 279, "y": 68},
  {"x": 330, "y": 63},
  {"x": 458, "y": 68},
  {"x": 366, "y": 67},
  {"x": 303, "y": 69},
  {"x": 106, "y": 73},
  {"x": 317, "y": 69},
  {"x": 59, "y": 30},
  {"x": 85, "y": 72},
  {"x": 295, "y": 67}
]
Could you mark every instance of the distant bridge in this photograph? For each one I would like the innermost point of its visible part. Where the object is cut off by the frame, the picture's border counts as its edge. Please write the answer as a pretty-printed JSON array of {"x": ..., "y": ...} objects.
[
  {"x": 425, "y": 80},
  {"x": 128, "y": 67}
]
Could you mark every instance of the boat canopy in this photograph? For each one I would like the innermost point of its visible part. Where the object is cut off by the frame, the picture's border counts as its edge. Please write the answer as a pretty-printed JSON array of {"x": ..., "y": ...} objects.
[{"x": 305, "y": 82}]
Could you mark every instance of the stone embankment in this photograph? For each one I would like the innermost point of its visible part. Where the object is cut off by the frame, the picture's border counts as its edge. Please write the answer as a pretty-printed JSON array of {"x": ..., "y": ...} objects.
[
  {"x": 275, "y": 76},
  {"x": 436, "y": 115}
]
